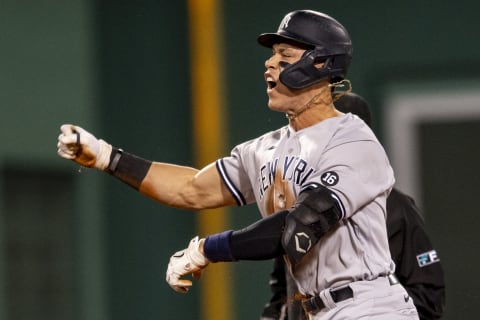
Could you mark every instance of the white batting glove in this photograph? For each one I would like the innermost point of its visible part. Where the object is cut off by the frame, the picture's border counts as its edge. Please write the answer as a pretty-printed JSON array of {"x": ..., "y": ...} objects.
[
  {"x": 186, "y": 261},
  {"x": 79, "y": 145}
]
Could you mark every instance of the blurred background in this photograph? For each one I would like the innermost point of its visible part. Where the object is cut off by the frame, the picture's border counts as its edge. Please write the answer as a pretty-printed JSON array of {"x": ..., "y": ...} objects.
[{"x": 77, "y": 244}]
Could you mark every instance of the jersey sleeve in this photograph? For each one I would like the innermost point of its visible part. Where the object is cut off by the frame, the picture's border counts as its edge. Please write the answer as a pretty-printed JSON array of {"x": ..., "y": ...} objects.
[
  {"x": 417, "y": 264},
  {"x": 232, "y": 170},
  {"x": 363, "y": 175}
]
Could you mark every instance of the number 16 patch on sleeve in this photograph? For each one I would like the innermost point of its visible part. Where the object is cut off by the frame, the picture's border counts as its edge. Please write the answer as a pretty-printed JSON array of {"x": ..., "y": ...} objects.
[{"x": 329, "y": 178}]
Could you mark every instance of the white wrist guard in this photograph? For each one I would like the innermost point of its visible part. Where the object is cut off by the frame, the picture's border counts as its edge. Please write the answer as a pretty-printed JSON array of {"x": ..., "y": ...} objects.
[{"x": 103, "y": 156}]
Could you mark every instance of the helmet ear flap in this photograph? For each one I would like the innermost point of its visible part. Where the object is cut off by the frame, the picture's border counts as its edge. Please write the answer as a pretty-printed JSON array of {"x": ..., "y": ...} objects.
[
  {"x": 304, "y": 73},
  {"x": 338, "y": 70}
]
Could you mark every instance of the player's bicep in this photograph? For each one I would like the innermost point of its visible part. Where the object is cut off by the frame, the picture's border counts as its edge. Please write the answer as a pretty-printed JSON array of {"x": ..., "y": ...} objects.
[{"x": 208, "y": 185}]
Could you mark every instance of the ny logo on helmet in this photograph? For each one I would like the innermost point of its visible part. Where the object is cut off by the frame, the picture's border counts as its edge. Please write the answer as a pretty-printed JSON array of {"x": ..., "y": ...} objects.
[{"x": 285, "y": 21}]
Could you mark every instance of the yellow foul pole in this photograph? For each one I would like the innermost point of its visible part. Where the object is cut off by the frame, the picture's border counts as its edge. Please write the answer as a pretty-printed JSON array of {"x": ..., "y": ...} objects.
[{"x": 207, "y": 98}]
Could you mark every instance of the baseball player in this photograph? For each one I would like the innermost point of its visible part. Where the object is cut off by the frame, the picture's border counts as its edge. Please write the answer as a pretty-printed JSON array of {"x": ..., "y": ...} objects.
[
  {"x": 328, "y": 164},
  {"x": 417, "y": 265}
]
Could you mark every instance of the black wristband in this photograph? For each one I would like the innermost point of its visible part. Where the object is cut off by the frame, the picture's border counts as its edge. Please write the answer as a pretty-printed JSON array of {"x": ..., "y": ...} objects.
[{"x": 128, "y": 168}]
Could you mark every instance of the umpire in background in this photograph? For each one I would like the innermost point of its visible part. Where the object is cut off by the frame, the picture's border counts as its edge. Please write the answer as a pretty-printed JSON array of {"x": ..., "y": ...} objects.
[{"x": 417, "y": 265}]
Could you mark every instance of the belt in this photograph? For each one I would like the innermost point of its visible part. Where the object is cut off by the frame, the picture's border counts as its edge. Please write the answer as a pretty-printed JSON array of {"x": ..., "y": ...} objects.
[{"x": 315, "y": 303}]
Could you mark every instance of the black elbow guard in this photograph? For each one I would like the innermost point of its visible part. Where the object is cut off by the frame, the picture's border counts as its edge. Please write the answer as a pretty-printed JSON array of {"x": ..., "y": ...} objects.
[{"x": 315, "y": 213}]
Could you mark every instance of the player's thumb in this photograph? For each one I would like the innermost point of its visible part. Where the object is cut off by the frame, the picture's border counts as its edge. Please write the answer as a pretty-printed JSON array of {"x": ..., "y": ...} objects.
[
  {"x": 182, "y": 285},
  {"x": 197, "y": 274}
]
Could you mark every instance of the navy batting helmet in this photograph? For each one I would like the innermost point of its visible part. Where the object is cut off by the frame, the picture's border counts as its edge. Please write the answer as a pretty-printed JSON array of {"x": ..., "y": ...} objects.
[{"x": 325, "y": 39}]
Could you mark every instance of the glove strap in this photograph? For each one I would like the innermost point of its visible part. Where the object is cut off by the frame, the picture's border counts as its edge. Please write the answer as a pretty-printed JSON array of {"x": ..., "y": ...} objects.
[
  {"x": 128, "y": 168},
  {"x": 114, "y": 159}
]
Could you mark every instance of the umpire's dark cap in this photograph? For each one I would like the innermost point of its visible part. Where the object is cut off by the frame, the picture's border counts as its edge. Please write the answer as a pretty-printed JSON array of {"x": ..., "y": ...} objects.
[{"x": 355, "y": 104}]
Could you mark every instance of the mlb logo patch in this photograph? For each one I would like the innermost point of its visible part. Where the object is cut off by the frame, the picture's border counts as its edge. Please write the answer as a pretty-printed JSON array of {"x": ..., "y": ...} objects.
[{"x": 427, "y": 258}]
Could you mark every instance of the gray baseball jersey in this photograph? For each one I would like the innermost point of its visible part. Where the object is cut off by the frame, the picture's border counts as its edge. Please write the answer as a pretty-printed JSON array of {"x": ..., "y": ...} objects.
[{"x": 343, "y": 154}]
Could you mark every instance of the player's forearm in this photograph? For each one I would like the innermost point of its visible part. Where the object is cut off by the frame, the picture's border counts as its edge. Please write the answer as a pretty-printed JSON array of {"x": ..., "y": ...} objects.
[
  {"x": 172, "y": 185},
  {"x": 259, "y": 241},
  {"x": 167, "y": 184},
  {"x": 185, "y": 187}
]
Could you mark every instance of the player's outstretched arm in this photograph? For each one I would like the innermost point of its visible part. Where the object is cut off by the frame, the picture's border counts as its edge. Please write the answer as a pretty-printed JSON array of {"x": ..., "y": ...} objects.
[
  {"x": 259, "y": 241},
  {"x": 186, "y": 187},
  {"x": 269, "y": 237},
  {"x": 265, "y": 239},
  {"x": 173, "y": 185}
]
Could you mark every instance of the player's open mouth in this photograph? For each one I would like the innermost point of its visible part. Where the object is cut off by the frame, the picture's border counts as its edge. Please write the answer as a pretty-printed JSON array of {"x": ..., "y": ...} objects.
[{"x": 271, "y": 83}]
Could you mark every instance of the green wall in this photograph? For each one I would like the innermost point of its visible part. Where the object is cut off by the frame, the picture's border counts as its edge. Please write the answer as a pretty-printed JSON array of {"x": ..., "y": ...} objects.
[
  {"x": 121, "y": 69},
  {"x": 145, "y": 109},
  {"x": 48, "y": 77}
]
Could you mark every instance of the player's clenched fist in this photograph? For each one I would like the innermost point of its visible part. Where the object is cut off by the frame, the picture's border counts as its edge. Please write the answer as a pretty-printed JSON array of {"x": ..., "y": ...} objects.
[
  {"x": 187, "y": 261},
  {"x": 79, "y": 145}
]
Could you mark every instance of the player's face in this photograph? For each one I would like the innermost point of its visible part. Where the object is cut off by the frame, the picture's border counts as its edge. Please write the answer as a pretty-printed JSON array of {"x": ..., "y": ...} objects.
[{"x": 280, "y": 97}]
